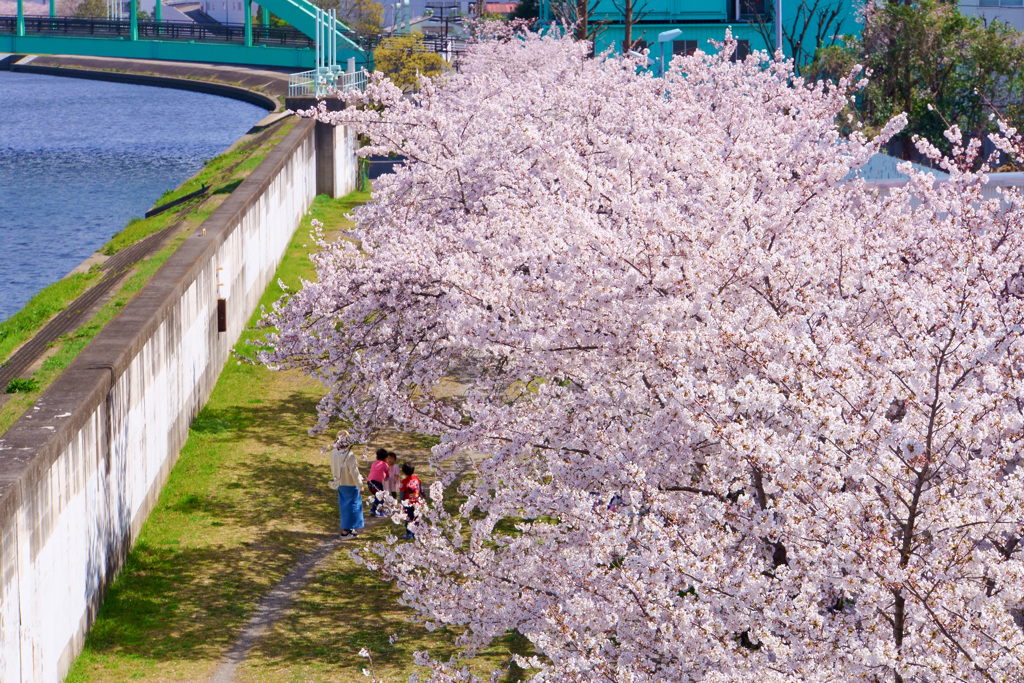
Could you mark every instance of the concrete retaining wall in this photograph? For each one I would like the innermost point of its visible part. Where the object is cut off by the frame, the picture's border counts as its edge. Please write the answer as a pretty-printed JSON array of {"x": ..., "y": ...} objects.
[{"x": 80, "y": 472}]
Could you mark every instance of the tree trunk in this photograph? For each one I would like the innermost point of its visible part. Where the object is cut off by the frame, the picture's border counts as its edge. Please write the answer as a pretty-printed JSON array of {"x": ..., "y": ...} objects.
[{"x": 627, "y": 20}]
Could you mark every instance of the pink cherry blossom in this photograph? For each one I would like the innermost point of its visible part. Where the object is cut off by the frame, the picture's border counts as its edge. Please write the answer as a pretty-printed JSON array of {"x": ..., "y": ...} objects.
[{"x": 742, "y": 418}]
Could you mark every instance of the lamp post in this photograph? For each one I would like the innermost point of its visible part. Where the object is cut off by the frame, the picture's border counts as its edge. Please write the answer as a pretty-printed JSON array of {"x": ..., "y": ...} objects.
[{"x": 665, "y": 37}]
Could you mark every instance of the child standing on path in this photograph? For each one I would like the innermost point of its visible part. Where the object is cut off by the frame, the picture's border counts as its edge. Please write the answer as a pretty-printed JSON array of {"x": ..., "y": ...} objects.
[
  {"x": 391, "y": 484},
  {"x": 412, "y": 491},
  {"x": 347, "y": 481},
  {"x": 375, "y": 480}
]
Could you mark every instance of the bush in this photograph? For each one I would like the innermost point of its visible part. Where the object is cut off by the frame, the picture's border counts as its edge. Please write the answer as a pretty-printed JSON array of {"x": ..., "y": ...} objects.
[{"x": 21, "y": 385}]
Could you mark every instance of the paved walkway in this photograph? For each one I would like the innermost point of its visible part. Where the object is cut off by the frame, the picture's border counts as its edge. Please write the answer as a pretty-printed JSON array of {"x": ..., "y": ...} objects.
[{"x": 277, "y": 603}]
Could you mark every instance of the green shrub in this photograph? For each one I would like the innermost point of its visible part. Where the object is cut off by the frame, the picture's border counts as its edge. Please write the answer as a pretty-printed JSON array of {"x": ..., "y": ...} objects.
[{"x": 21, "y": 385}]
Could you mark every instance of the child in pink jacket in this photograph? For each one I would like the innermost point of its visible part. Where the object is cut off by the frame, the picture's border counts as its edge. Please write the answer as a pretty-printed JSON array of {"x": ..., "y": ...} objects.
[{"x": 379, "y": 471}]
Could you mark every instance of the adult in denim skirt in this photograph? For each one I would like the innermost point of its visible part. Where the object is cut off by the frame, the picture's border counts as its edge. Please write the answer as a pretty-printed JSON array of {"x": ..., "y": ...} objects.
[{"x": 348, "y": 482}]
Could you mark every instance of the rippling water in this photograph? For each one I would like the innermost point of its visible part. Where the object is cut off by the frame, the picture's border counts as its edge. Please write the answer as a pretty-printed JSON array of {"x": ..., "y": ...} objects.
[{"x": 79, "y": 158}]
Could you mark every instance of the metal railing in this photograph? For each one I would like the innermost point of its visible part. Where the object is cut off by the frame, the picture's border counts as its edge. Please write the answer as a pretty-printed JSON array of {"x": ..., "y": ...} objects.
[
  {"x": 324, "y": 81},
  {"x": 222, "y": 33},
  {"x": 164, "y": 30}
]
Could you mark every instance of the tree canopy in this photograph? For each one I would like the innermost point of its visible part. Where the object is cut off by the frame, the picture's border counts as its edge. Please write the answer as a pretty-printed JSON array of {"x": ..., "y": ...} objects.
[
  {"x": 365, "y": 17},
  {"x": 743, "y": 418},
  {"x": 405, "y": 58},
  {"x": 937, "y": 65}
]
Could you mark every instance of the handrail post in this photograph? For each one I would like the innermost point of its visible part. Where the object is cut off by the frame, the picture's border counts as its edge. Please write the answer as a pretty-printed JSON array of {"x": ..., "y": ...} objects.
[
  {"x": 20, "y": 28},
  {"x": 133, "y": 15},
  {"x": 248, "y": 23}
]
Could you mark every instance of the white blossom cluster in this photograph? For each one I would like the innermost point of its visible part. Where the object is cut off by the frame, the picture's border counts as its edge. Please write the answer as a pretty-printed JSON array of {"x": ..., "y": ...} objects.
[{"x": 745, "y": 419}]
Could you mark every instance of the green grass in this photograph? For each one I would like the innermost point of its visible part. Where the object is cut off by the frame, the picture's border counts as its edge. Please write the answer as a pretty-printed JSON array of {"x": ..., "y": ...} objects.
[
  {"x": 221, "y": 174},
  {"x": 20, "y": 327},
  {"x": 246, "y": 500}
]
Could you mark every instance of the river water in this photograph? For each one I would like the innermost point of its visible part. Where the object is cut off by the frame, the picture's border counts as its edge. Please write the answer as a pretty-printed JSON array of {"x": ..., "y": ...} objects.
[{"x": 79, "y": 158}]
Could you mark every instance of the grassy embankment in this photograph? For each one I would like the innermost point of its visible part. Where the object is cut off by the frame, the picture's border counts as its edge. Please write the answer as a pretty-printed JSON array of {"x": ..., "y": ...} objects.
[
  {"x": 247, "y": 498},
  {"x": 222, "y": 175}
]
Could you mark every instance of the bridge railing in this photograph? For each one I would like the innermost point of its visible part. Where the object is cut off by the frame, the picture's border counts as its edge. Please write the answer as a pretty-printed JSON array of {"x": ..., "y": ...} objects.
[
  {"x": 320, "y": 82},
  {"x": 165, "y": 30}
]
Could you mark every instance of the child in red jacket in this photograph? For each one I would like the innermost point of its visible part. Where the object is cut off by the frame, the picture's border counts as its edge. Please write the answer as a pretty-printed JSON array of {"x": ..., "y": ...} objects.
[{"x": 412, "y": 495}]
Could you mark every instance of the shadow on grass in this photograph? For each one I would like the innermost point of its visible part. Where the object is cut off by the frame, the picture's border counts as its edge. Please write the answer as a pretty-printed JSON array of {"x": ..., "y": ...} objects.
[
  {"x": 244, "y": 504},
  {"x": 228, "y": 188},
  {"x": 345, "y": 608},
  {"x": 272, "y": 423},
  {"x": 214, "y": 546},
  {"x": 190, "y": 604}
]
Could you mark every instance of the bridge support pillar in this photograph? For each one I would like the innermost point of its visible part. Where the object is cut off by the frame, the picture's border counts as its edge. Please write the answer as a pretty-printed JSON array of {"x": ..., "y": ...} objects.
[
  {"x": 158, "y": 15},
  {"x": 337, "y": 170},
  {"x": 20, "y": 28},
  {"x": 134, "y": 16},
  {"x": 53, "y": 9},
  {"x": 248, "y": 22}
]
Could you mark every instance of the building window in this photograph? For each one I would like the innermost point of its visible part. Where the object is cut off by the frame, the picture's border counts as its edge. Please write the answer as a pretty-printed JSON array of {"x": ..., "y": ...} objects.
[
  {"x": 741, "y": 51},
  {"x": 684, "y": 47},
  {"x": 751, "y": 9}
]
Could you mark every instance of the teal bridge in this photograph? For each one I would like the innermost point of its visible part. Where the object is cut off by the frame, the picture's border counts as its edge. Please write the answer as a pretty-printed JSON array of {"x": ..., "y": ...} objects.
[{"x": 315, "y": 39}]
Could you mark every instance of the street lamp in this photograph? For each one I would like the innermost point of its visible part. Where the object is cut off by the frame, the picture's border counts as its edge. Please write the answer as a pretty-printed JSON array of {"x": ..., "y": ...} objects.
[
  {"x": 664, "y": 37},
  {"x": 644, "y": 59}
]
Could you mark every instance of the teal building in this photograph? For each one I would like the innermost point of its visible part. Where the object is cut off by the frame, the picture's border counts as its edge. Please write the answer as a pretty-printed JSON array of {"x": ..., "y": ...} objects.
[{"x": 805, "y": 24}]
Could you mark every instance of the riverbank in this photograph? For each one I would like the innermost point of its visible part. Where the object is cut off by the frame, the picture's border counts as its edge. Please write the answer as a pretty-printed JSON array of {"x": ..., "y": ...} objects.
[
  {"x": 54, "y": 351},
  {"x": 263, "y": 87},
  {"x": 31, "y": 376}
]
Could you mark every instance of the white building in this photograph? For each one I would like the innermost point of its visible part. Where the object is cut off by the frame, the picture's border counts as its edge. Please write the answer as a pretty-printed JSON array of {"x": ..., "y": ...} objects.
[
  {"x": 1007, "y": 11},
  {"x": 226, "y": 11},
  {"x": 222, "y": 11}
]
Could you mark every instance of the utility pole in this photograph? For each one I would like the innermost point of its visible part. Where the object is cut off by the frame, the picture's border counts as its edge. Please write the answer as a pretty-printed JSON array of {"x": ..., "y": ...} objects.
[{"x": 778, "y": 25}]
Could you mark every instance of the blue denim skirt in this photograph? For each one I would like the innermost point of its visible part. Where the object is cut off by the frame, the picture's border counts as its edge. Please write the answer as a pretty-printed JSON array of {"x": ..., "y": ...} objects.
[{"x": 350, "y": 504}]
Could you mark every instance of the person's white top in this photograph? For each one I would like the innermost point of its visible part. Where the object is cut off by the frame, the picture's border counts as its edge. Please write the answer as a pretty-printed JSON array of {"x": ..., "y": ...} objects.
[
  {"x": 394, "y": 480},
  {"x": 344, "y": 469}
]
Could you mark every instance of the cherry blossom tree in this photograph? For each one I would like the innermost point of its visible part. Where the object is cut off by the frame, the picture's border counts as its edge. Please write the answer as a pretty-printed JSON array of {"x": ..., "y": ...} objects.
[{"x": 742, "y": 417}]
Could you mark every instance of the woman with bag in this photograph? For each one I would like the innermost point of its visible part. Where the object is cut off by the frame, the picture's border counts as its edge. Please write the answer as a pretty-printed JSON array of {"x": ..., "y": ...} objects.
[{"x": 348, "y": 482}]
